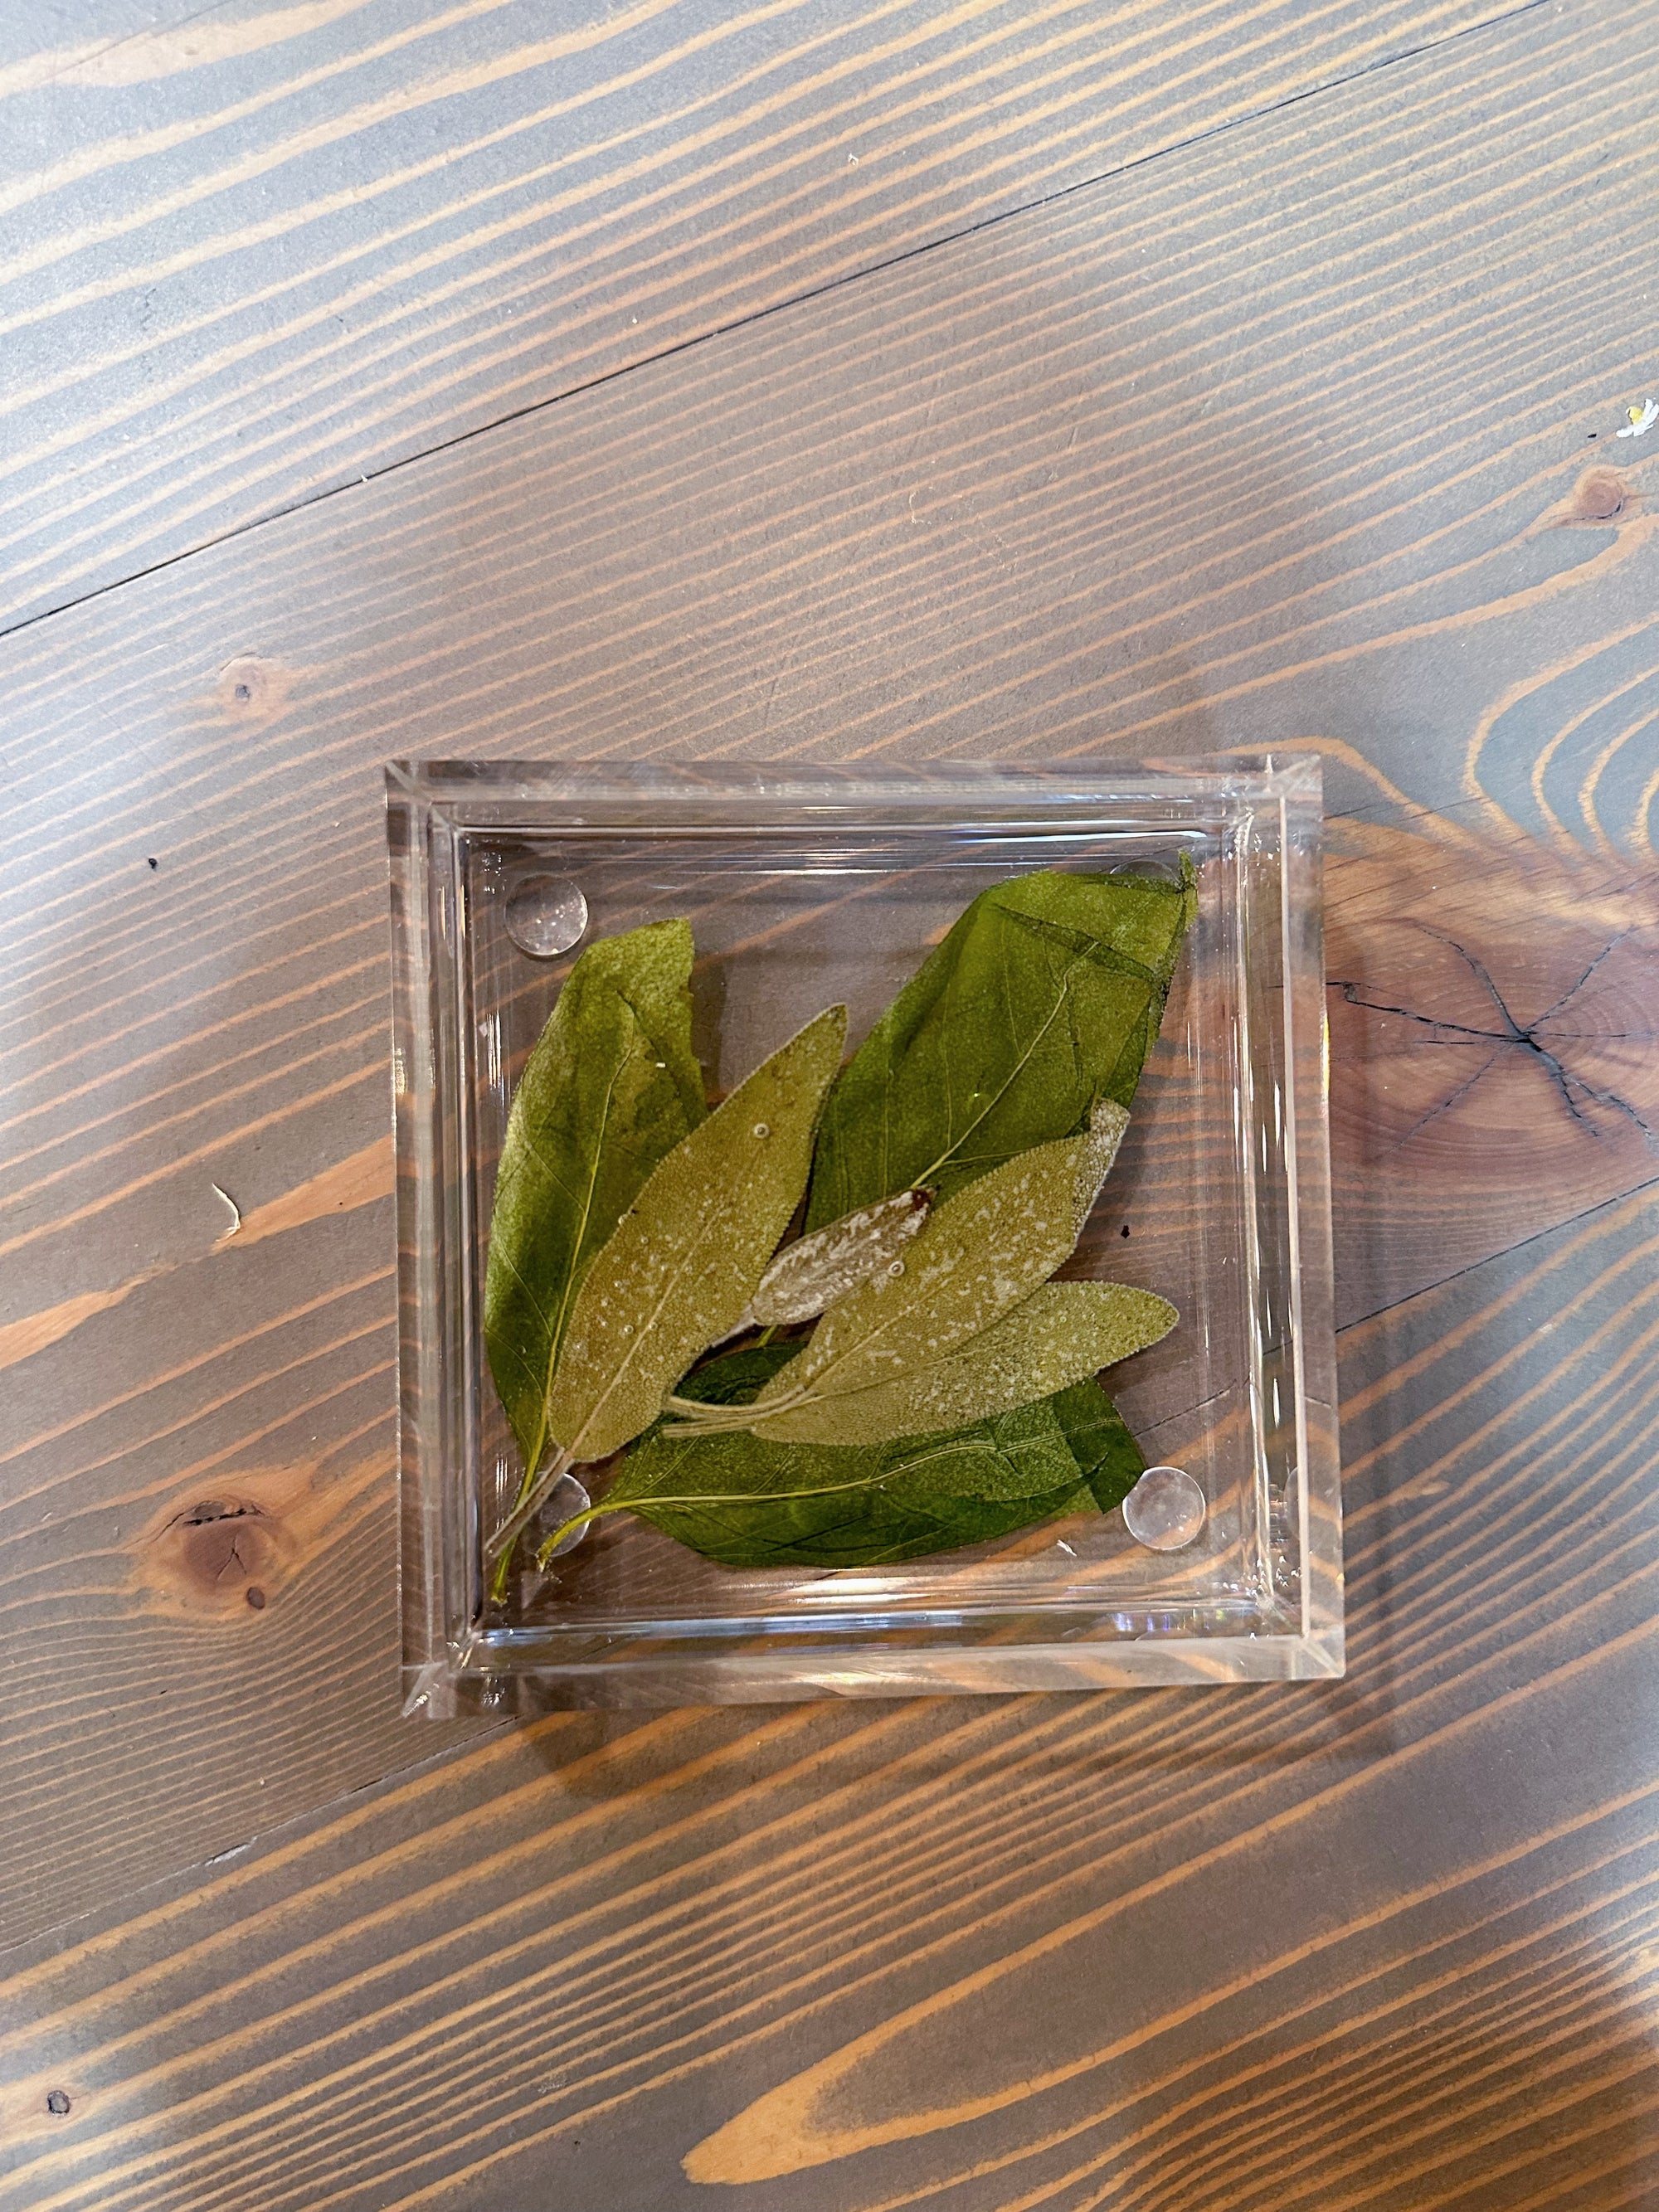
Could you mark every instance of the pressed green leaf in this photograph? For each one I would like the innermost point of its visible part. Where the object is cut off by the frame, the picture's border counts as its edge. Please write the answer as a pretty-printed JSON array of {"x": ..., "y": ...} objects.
[
  {"x": 981, "y": 1252},
  {"x": 815, "y": 1271},
  {"x": 750, "y": 1504},
  {"x": 1110, "y": 1461},
  {"x": 683, "y": 1262},
  {"x": 1043, "y": 998},
  {"x": 733, "y": 1378},
  {"x": 1024, "y": 1453},
  {"x": 1060, "y": 1334},
  {"x": 1107, "y": 1126},
  {"x": 826, "y": 1528},
  {"x": 1060, "y": 1035},
  {"x": 611, "y": 1087}
]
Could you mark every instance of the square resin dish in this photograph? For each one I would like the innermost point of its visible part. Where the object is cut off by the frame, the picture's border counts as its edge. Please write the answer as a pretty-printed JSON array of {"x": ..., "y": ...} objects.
[{"x": 804, "y": 887}]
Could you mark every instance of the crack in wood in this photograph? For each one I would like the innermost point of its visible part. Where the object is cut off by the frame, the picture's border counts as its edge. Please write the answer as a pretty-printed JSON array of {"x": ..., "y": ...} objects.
[{"x": 1564, "y": 1078}]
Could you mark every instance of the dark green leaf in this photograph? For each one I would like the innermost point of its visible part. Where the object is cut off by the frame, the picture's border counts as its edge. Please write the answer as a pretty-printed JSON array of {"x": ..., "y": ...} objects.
[
  {"x": 1022, "y": 1454},
  {"x": 1107, "y": 1456},
  {"x": 683, "y": 1263},
  {"x": 892, "y": 1105},
  {"x": 734, "y": 1377},
  {"x": 1044, "y": 997},
  {"x": 749, "y": 1503},
  {"x": 611, "y": 1087}
]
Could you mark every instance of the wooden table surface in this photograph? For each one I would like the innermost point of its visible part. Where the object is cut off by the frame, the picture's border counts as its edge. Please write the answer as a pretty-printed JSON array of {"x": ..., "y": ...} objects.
[{"x": 818, "y": 381}]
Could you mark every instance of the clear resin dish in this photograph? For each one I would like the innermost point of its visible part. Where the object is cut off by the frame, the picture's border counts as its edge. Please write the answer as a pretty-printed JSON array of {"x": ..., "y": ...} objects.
[{"x": 806, "y": 888}]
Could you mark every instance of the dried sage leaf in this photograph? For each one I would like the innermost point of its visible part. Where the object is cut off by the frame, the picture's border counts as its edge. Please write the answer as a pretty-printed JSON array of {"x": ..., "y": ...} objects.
[
  {"x": 1043, "y": 998},
  {"x": 611, "y": 1087},
  {"x": 815, "y": 1271},
  {"x": 1107, "y": 1126},
  {"x": 748, "y": 1503},
  {"x": 981, "y": 1252},
  {"x": 1060, "y": 1335},
  {"x": 683, "y": 1262}
]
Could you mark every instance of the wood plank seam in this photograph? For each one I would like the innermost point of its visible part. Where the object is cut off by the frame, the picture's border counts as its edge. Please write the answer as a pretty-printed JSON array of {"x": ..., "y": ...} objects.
[{"x": 999, "y": 219}]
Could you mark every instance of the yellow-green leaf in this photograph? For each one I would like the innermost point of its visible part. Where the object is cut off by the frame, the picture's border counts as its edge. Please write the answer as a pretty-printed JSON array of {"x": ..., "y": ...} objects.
[
  {"x": 1060, "y": 1334},
  {"x": 685, "y": 1260},
  {"x": 981, "y": 1252},
  {"x": 750, "y": 1504}
]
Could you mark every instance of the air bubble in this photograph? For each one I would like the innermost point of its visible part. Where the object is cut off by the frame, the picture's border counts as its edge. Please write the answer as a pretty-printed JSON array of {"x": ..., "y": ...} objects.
[
  {"x": 896, "y": 1267},
  {"x": 563, "y": 1501},
  {"x": 763, "y": 1129},
  {"x": 1166, "y": 1510},
  {"x": 546, "y": 915}
]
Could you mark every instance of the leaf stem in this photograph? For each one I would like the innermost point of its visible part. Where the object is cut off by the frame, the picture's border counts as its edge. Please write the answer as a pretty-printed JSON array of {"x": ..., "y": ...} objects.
[
  {"x": 549, "y": 1545},
  {"x": 503, "y": 1564},
  {"x": 498, "y": 1548},
  {"x": 699, "y": 1412},
  {"x": 700, "y": 1419}
]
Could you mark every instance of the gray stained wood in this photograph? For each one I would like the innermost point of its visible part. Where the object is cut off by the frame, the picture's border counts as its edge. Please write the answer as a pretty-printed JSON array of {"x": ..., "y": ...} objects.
[
  {"x": 1302, "y": 436},
  {"x": 1390, "y": 1941},
  {"x": 249, "y": 254}
]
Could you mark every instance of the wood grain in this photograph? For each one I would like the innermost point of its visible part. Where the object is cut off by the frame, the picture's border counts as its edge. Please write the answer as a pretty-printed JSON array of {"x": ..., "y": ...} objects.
[
  {"x": 1494, "y": 1006},
  {"x": 254, "y": 253},
  {"x": 1301, "y": 436},
  {"x": 39, "y": 38},
  {"x": 1134, "y": 471},
  {"x": 973, "y": 505},
  {"x": 1385, "y": 1942}
]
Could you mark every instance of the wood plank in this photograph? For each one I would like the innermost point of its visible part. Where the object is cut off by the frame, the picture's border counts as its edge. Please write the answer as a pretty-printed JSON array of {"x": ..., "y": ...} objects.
[
  {"x": 1326, "y": 1946},
  {"x": 40, "y": 38},
  {"x": 1493, "y": 1007},
  {"x": 253, "y": 253},
  {"x": 200, "y": 1479},
  {"x": 1139, "y": 471},
  {"x": 973, "y": 505}
]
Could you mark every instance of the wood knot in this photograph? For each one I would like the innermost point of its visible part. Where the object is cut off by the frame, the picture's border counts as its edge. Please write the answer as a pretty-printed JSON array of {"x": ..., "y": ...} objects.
[
  {"x": 252, "y": 690},
  {"x": 224, "y": 1548},
  {"x": 233, "y": 1554},
  {"x": 229, "y": 1551},
  {"x": 1599, "y": 497}
]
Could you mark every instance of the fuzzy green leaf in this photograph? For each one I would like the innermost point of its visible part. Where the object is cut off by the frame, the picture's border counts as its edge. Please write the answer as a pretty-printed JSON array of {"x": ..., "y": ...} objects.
[
  {"x": 1107, "y": 1124},
  {"x": 611, "y": 1087},
  {"x": 1060, "y": 1334},
  {"x": 815, "y": 1271},
  {"x": 750, "y": 1504},
  {"x": 982, "y": 1253},
  {"x": 683, "y": 1262},
  {"x": 1045, "y": 996}
]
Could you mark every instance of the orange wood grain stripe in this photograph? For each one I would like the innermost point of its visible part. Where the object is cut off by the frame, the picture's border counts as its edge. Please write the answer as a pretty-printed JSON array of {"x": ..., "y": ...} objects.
[
  {"x": 22, "y": 1340},
  {"x": 359, "y": 1180}
]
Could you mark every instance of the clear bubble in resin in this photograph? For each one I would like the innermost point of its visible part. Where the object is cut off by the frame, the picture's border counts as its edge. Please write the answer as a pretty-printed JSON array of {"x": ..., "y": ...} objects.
[
  {"x": 1166, "y": 1510},
  {"x": 563, "y": 1503},
  {"x": 546, "y": 915}
]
